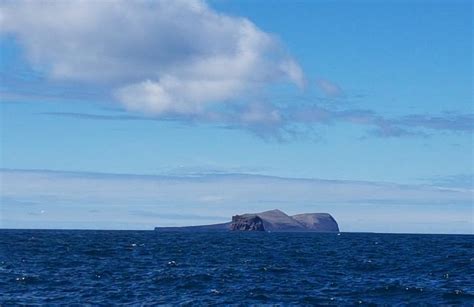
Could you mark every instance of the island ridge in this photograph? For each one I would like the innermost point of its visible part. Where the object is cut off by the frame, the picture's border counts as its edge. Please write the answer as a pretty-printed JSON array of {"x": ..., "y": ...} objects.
[{"x": 270, "y": 221}]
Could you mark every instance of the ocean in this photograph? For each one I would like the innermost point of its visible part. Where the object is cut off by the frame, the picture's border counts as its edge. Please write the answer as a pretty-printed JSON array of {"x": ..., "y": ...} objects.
[{"x": 147, "y": 268}]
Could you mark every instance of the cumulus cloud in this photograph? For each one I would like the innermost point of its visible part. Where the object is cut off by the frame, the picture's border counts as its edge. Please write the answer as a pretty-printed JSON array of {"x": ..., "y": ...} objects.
[
  {"x": 181, "y": 60},
  {"x": 157, "y": 57}
]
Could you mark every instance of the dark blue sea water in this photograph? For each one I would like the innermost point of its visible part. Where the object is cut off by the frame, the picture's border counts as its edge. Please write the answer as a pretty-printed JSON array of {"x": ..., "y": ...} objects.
[{"x": 146, "y": 267}]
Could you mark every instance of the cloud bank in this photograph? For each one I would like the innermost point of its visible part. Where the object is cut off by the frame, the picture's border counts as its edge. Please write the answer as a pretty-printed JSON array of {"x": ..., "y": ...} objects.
[
  {"x": 49, "y": 199},
  {"x": 158, "y": 57}
]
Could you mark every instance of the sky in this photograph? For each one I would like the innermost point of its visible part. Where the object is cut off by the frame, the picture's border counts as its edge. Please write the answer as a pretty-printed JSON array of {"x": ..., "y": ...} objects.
[{"x": 134, "y": 114}]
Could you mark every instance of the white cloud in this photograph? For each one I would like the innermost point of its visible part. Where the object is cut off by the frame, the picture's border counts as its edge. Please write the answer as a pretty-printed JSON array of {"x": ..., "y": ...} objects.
[
  {"x": 157, "y": 57},
  {"x": 180, "y": 60}
]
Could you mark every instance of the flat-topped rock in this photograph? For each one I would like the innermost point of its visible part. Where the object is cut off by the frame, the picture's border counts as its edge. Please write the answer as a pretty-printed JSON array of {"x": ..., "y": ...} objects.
[
  {"x": 270, "y": 221},
  {"x": 317, "y": 221}
]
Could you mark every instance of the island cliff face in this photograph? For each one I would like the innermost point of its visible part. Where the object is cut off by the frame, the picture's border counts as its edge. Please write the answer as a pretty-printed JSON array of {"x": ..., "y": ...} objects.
[
  {"x": 270, "y": 221},
  {"x": 248, "y": 222}
]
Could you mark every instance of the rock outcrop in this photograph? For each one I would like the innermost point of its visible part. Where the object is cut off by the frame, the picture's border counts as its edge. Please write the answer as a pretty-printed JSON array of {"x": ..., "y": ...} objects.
[
  {"x": 247, "y": 222},
  {"x": 270, "y": 221}
]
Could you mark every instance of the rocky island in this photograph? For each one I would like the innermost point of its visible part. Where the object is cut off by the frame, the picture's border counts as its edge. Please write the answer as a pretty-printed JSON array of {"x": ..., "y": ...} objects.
[{"x": 270, "y": 221}]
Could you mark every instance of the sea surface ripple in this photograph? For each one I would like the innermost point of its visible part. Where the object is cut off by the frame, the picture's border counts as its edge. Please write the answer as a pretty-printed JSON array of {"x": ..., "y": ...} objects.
[{"x": 147, "y": 267}]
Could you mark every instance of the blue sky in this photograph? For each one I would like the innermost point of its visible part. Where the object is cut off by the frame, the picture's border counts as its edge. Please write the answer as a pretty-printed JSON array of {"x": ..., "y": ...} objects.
[{"x": 111, "y": 112}]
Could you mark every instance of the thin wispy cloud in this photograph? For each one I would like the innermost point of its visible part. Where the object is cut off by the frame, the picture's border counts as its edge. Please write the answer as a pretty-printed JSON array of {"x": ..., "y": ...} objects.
[
  {"x": 447, "y": 121},
  {"x": 459, "y": 180},
  {"x": 235, "y": 187},
  {"x": 330, "y": 89},
  {"x": 145, "y": 201},
  {"x": 279, "y": 122},
  {"x": 96, "y": 116}
]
